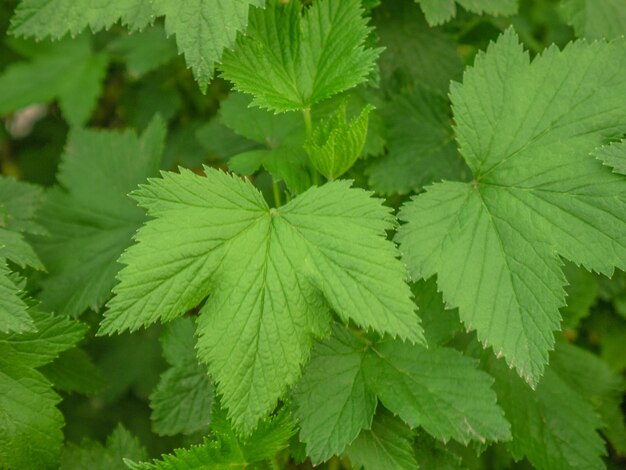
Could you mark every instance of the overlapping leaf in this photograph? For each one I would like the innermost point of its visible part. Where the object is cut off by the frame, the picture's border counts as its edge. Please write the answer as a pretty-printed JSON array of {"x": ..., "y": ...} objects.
[
  {"x": 89, "y": 218},
  {"x": 30, "y": 423},
  {"x": 183, "y": 399},
  {"x": 526, "y": 130},
  {"x": 596, "y": 19},
  {"x": 440, "y": 11},
  {"x": 290, "y": 61},
  {"x": 271, "y": 273},
  {"x": 435, "y": 388},
  {"x": 203, "y": 28}
]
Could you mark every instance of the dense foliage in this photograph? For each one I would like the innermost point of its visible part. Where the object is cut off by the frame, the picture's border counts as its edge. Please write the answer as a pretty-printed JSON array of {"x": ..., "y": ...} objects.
[{"x": 379, "y": 234}]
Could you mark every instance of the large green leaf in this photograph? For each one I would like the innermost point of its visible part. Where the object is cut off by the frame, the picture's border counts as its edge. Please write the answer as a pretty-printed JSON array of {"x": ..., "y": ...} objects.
[
  {"x": 526, "y": 130},
  {"x": 271, "y": 273},
  {"x": 596, "y": 19}
]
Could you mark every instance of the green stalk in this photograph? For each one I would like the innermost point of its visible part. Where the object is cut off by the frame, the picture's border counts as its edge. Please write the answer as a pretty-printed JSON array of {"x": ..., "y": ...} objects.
[
  {"x": 308, "y": 125},
  {"x": 276, "y": 189}
]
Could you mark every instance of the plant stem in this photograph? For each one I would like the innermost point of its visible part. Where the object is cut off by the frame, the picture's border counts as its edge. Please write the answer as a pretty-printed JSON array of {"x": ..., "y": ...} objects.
[
  {"x": 308, "y": 125},
  {"x": 276, "y": 189}
]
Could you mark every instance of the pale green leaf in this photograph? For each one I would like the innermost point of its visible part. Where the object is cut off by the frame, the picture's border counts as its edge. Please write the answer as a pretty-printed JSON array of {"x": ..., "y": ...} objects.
[
  {"x": 336, "y": 143},
  {"x": 55, "y": 18},
  {"x": 440, "y": 11},
  {"x": 67, "y": 71},
  {"x": 183, "y": 399},
  {"x": 386, "y": 446},
  {"x": 271, "y": 273},
  {"x": 89, "y": 218},
  {"x": 596, "y": 19},
  {"x": 420, "y": 142},
  {"x": 289, "y": 61},
  {"x": 120, "y": 445},
  {"x": 526, "y": 130},
  {"x": 552, "y": 426},
  {"x": 203, "y": 29},
  {"x": 438, "y": 389},
  {"x": 332, "y": 401}
]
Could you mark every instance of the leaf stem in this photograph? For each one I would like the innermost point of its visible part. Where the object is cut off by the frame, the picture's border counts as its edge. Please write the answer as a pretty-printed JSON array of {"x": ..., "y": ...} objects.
[
  {"x": 276, "y": 190},
  {"x": 308, "y": 125}
]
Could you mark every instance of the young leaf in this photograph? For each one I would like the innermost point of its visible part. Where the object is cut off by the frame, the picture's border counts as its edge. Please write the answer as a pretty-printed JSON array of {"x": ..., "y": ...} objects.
[
  {"x": 182, "y": 401},
  {"x": 89, "y": 218},
  {"x": 30, "y": 424},
  {"x": 67, "y": 71},
  {"x": 421, "y": 145},
  {"x": 226, "y": 450},
  {"x": 596, "y": 19},
  {"x": 271, "y": 274},
  {"x": 552, "y": 426},
  {"x": 386, "y": 446},
  {"x": 336, "y": 144},
  {"x": 203, "y": 29},
  {"x": 120, "y": 445},
  {"x": 438, "y": 389},
  {"x": 440, "y": 11},
  {"x": 289, "y": 61},
  {"x": 332, "y": 400},
  {"x": 526, "y": 131}
]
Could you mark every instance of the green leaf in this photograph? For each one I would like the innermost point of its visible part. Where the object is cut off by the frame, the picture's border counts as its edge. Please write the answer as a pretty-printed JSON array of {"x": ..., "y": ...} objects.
[
  {"x": 422, "y": 386},
  {"x": 271, "y": 273},
  {"x": 440, "y": 323},
  {"x": 434, "y": 59},
  {"x": 440, "y": 11},
  {"x": 120, "y": 445},
  {"x": 74, "y": 371},
  {"x": 56, "y": 18},
  {"x": 552, "y": 426},
  {"x": 332, "y": 401},
  {"x": 224, "y": 449},
  {"x": 203, "y": 29},
  {"x": 89, "y": 218},
  {"x": 421, "y": 145},
  {"x": 67, "y": 71},
  {"x": 13, "y": 314},
  {"x": 144, "y": 51},
  {"x": 596, "y": 19},
  {"x": 526, "y": 131},
  {"x": 336, "y": 144},
  {"x": 582, "y": 291},
  {"x": 30, "y": 424},
  {"x": 18, "y": 202},
  {"x": 386, "y": 446},
  {"x": 613, "y": 155},
  {"x": 183, "y": 399},
  {"x": 431, "y": 453},
  {"x": 289, "y": 61},
  {"x": 592, "y": 378}
]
